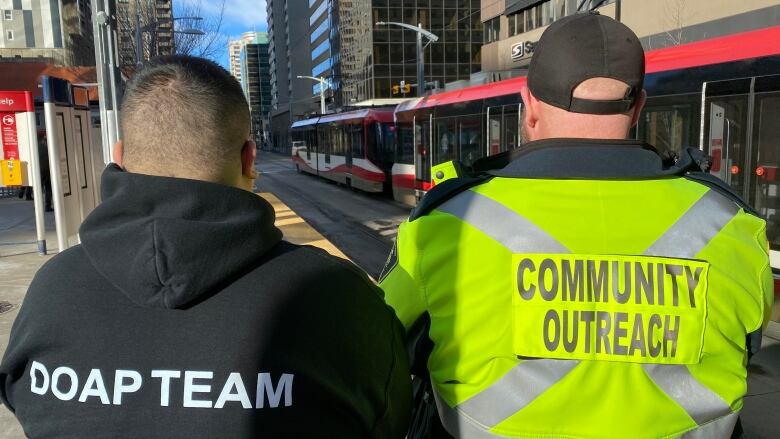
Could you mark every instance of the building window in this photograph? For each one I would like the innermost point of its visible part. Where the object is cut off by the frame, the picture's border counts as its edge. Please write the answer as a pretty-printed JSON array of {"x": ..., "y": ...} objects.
[
  {"x": 8, "y": 14},
  {"x": 492, "y": 28},
  {"x": 541, "y": 15},
  {"x": 9, "y": 35}
]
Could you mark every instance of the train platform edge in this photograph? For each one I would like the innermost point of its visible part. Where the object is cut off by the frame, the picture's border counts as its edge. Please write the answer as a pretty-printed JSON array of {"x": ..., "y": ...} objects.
[{"x": 296, "y": 230}]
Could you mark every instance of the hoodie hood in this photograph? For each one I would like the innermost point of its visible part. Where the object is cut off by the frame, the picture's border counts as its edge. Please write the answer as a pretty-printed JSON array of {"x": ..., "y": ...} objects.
[{"x": 167, "y": 242}]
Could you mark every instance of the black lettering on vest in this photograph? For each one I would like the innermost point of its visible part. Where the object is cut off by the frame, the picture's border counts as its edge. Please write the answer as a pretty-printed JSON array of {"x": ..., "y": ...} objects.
[
  {"x": 693, "y": 282},
  {"x": 603, "y": 324},
  {"x": 598, "y": 281},
  {"x": 587, "y": 318},
  {"x": 660, "y": 282},
  {"x": 548, "y": 294},
  {"x": 552, "y": 343},
  {"x": 525, "y": 264},
  {"x": 573, "y": 281},
  {"x": 625, "y": 295},
  {"x": 619, "y": 333},
  {"x": 674, "y": 270},
  {"x": 671, "y": 335},
  {"x": 644, "y": 282},
  {"x": 638, "y": 337},
  {"x": 654, "y": 343},
  {"x": 570, "y": 344}
]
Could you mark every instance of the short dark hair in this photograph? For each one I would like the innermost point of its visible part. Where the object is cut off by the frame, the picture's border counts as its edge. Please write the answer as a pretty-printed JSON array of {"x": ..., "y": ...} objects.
[{"x": 184, "y": 115}]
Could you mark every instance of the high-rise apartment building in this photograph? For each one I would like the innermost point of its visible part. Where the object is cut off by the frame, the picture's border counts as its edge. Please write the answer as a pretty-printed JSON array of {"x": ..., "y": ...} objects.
[
  {"x": 58, "y": 31},
  {"x": 289, "y": 56},
  {"x": 234, "y": 52},
  {"x": 363, "y": 62},
  {"x": 256, "y": 82},
  {"x": 513, "y": 27},
  {"x": 154, "y": 15}
]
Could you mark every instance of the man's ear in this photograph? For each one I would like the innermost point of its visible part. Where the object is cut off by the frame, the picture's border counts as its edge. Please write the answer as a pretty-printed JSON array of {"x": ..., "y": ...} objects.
[
  {"x": 248, "y": 154},
  {"x": 118, "y": 152},
  {"x": 530, "y": 109},
  {"x": 640, "y": 105}
]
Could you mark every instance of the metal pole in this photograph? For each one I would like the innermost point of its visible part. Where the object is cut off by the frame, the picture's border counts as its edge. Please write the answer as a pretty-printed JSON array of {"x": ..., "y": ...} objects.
[
  {"x": 617, "y": 10},
  {"x": 114, "y": 130},
  {"x": 420, "y": 65},
  {"x": 99, "y": 34},
  {"x": 138, "y": 53},
  {"x": 56, "y": 176},
  {"x": 35, "y": 171},
  {"x": 322, "y": 95}
]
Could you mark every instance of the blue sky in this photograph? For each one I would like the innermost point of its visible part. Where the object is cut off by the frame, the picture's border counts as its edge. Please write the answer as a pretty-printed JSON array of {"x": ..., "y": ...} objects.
[{"x": 240, "y": 16}]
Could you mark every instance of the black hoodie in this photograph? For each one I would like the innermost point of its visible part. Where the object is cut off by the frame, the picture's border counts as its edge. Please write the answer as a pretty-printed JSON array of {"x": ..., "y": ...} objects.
[{"x": 184, "y": 314}]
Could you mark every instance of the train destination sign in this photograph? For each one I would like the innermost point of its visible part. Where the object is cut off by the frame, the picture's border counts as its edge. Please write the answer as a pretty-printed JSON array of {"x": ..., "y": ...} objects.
[{"x": 609, "y": 307}]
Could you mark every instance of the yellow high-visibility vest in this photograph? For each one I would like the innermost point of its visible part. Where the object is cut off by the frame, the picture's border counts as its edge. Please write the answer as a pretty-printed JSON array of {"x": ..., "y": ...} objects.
[{"x": 585, "y": 307}]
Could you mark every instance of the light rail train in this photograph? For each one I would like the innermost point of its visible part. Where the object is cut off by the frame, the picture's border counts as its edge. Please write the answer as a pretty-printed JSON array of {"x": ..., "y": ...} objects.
[{"x": 721, "y": 95}]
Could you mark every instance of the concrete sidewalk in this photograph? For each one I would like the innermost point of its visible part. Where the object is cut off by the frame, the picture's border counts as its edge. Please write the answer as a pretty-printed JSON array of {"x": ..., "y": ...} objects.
[{"x": 19, "y": 262}]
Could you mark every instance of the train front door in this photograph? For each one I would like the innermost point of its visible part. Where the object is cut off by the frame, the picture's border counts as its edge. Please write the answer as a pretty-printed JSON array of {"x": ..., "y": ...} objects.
[
  {"x": 742, "y": 135},
  {"x": 422, "y": 154}
]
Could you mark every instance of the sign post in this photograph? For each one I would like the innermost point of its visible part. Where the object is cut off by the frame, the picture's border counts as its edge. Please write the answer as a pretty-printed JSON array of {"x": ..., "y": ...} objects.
[{"x": 19, "y": 138}]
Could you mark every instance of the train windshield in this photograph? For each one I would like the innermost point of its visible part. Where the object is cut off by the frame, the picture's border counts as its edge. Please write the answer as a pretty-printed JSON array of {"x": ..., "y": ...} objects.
[{"x": 381, "y": 143}]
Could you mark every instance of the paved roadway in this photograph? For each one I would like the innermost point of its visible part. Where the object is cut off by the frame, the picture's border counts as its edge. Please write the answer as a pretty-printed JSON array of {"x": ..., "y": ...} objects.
[{"x": 362, "y": 225}]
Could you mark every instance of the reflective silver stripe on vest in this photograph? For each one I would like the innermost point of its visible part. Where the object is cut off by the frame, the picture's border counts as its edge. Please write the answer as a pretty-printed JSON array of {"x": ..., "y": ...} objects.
[
  {"x": 696, "y": 228},
  {"x": 459, "y": 424},
  {"x": 501, "y": 223},
  {"x": 684, "y": 239},
  {"x": 702, "y": 404},
  {"x": 719, "y": 428},
  {"x": 502, "y": 400}
]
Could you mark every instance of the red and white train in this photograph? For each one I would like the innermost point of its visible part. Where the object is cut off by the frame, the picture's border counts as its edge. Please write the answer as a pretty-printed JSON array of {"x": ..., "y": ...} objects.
[{"x": 721, "y": 95}]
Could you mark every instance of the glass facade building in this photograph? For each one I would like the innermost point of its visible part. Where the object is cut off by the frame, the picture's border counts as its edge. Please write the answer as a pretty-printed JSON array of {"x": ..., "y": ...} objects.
[
  {"x": 363, "y": 61},
  {"x": 256, "y": 82}
]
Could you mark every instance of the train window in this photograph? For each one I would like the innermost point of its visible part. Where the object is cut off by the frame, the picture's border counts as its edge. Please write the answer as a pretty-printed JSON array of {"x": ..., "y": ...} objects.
[
  {"x": 511, "y": 125},
  {"x": 494, "y": 131},
  {"x": 356, "y": 135},
  {"x": 469, "y": 136},
  {"x": 405, "y": 151},
  {"x": 665, "y": 129},
  {"x": 766, "y": 145},
  {"x": 446, "y": 147},
  {"x": 670, "y": 122}
]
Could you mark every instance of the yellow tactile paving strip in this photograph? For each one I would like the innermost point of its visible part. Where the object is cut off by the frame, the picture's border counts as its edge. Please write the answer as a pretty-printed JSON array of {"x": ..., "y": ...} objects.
[{"x": 296, "y": 230}]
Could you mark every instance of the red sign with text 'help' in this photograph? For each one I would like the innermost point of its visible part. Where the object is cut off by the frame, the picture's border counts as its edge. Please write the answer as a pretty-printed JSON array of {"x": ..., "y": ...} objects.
[
  {"x": 12, "y": 102},
  {"x": 15, "y": 101}
]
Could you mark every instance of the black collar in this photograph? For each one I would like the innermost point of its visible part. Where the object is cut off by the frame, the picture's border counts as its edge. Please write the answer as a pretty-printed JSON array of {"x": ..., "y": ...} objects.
[{"x": 582, "y": 159}]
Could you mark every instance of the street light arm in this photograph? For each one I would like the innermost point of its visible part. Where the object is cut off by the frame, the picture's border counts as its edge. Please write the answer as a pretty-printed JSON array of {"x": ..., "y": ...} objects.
[
  {"x": 320, "y": 80},
  {"x": 424, "y": 32}
]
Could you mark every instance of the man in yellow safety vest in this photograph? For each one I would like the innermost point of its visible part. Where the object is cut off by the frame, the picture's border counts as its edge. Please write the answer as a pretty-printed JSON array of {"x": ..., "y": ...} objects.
[{"x": 591, "y": 287}]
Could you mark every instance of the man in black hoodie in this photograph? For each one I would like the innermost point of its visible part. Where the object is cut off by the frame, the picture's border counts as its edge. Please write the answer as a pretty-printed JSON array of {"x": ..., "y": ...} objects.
[{"x": 183, "y": 313}]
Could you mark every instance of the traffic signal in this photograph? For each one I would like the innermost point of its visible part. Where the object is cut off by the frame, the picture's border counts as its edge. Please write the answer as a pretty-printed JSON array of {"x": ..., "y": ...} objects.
[{"x": 403, "y": 87}]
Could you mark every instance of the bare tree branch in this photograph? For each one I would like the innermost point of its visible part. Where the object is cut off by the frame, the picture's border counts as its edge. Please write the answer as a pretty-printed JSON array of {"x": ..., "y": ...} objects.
[
  {"x": 212, "y": 43},
  {"x": 677, "y": 13}
]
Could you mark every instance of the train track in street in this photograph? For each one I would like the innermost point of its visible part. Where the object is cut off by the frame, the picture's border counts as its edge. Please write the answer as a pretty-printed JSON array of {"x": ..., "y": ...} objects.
[{"x": 361, "y": 225}]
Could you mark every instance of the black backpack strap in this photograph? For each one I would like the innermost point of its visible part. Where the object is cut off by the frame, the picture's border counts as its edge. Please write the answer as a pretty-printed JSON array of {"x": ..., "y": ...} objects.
[
  {"x": 425, "y": 422},
  {"x": 443, "y": 192}
]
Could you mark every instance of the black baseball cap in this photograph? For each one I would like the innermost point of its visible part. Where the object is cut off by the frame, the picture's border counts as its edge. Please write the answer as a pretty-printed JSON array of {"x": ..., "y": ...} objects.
[{"x": 581, "y": 47}]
